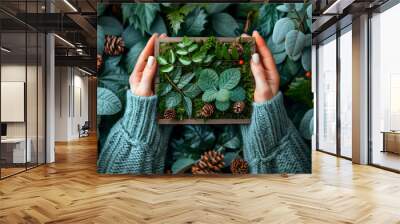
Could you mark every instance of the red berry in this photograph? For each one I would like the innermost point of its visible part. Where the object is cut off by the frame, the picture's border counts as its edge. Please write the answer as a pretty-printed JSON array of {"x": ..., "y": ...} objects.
[
  {"x": 308, "y": 74},
  {"x": 241, "y": 62}
]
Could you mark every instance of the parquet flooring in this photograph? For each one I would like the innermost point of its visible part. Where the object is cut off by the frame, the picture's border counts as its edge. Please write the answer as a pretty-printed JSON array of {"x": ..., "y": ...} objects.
[{"x": 70, "y": 191}]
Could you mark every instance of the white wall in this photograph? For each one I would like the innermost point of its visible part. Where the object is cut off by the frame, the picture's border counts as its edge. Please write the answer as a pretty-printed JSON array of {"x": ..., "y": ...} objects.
[{"x": 71, "y": 102}]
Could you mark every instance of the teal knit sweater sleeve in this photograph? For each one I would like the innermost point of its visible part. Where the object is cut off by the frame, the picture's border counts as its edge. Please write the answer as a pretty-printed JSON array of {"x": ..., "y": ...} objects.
[
  {"x": 271, "y": 142},
  {"x": 135, "y": 144}
]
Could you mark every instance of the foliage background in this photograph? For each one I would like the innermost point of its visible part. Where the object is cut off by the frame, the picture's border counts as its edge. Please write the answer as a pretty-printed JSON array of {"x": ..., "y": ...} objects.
[{"x": 285, "y": 27}]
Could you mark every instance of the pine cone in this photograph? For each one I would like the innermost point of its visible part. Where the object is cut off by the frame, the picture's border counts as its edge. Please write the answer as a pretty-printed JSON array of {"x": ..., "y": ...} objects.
[
  {"x": 206, "y": 111},
  {"x": 210, "y": 162},
  {"x": 99, "y": 62},
  {"x": 114, "y": 45},
  {"x": 238, "y": 107},
  {"x": 239, "y": 166},
  {"x": 169, "y": 114}
]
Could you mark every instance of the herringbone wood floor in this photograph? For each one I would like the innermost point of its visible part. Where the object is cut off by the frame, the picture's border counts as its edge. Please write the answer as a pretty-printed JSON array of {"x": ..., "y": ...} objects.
[{"x": 70, "y": 191}]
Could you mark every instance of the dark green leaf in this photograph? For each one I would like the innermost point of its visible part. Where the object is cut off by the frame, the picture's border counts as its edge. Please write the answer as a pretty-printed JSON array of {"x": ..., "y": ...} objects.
[
  {"x": 198, "y": 57},
  {"x": 229, "y": 157},
  {"x": 238, "y": 94},
  {"x": 235, "y": 53},
  {"x": 309, "y": 11},
  {"x": 194, "y": 23},
  {"x": 166, "y": 68},
  {"x": 107, "y": 102},
  {"x": 100, "y": 40},
  {"x": 306, "y": 59},
  {"x": 158, "y": 26},
  {"x": 185, "y": 80},
  {"x": 132, "y": 56},
  {"x": 268, "y": 16},
  {"x": 209, "y": 58},
  {"x": 193, "y": 47},
  {"x": 223, "y": 95},
  {"x": 279, "y": 57},
  {"x": 187, "y": 104},
  {"x": 141, "y": 15},
  {"x": 191, "y": 90},
  {"x": 224, "y": 25},
  {"x": 101, "y": 7},
  {"x": 200, "y": 137},
  {"x": 209, "y": 95},
  {"x": 229, "y": 78},
  {"x": 212, "y": 8},
  {"x": 181, "y": 165},
  {"x": 131, "y": 36},
  {"x": 281, "y": 28},
  {"x": 177, "y": 15},
  {"x": 172, "y": 99},
  {"x": 306, "y": 125},
  {"x": 163, "y": 88},
  {"x": 208, "y": 79},
  {"x": 300, "y": 91},
  {"x": 225, "y": 53},
  {"x": 176, "y": 74},
  {"x": 110, "y": 25}
]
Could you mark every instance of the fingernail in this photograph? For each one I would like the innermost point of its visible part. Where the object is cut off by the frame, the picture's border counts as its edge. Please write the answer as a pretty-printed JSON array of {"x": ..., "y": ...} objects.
[
  {"x": 255, "y": 58},
  {"x": 150, "y": 61},
  {"x": 255, "y": 32}
]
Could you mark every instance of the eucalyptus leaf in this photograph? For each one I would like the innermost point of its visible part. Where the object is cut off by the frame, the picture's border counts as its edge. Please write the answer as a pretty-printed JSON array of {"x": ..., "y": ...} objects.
[
  {"x": 107, "y": 102},
  {"x": 309, "y": 11},
  {"x": 224, "y": 25},
  {"x": 208, "y": 79},
  {"x": 100, "y": 40},
  {"x": 279, "y": 57},
  {"x": 306, "y": 59},
  {"x": 172, "y": 99},
  {"x": 181, "y": 165},
  {"x": 281, "y": 28},
  {"x": 306, "y": 125},
  {"x": 229, "y": 78},
  {"x": 294, "y": 44},
  {"x": 222, "y": 106}
]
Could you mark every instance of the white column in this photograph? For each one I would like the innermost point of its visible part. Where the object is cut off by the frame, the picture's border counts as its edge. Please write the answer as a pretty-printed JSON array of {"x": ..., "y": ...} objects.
[{"x": 360, "y": 90}]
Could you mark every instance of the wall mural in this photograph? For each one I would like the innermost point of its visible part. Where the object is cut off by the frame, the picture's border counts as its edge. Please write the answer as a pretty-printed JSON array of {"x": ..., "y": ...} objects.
[{"x": 237, "y": 100}]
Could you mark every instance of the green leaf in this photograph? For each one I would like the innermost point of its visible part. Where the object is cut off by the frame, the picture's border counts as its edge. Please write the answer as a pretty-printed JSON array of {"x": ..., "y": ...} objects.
[
  {"x": 208, "y": 79},
  {"x": 306, "y": 59},
  {"x": 131, "y": 36},
  {"x": 186, "y": 41},
  {"x": 194, "y": 23},
  {"x": 198, "y": 57},
  {"x": 222, "y": 106},
  {"x": 185, "y": 60},
  {"x": 294, "y": 44},
  {"x": 299, "y": 7},
  {"x": 235, "y": 53},
  {"x": 166, "y": 68},
  {"x": 181, "y": 165},
  {"x": 238, "y": 94},
  {"x": 176, "y": 16},
  {"x": 281, "y": 28},
  {"x": 100, "y": 40},
  {"x": 229, "y": 78},
  {"x": 163, "y": 89},
  {"x": 185, "y": 80},
  {"x": 171, "y": 56},
  {"x": 132, "y": 56},
  {"x": 176, "y": 74},
  {"x": 209, "y": 95},
  {"x": 309, "y": 11},
  {"x": 280, "y": 57},
  {"x": 107, "y": 102},
  {"x": 172, "y": 99},
  {"x": 110, "y": 25},
  {"x": 212, "y": 8},
  {"x": 187, "y": 104},
  {"x": 115, "y": 80},
  {"x": 161, "y": 60},
  {"x": 209, "y": 58},
  {"x": 140, "y": 15},
  {"x": 112, "y": 63},
  {"x": 225, "y": 53},
  {"x": 290, "y": 6},
  {"x": 308, "y": 40},
  {"x": 224, "y": 25},
  {"x": 300, "y": 91},
  {"x": 193, "y": 47},
  {"x": 268, "y": 16},
  {"x": 101, "y": 7},
  {"x": 191, "y": 90},
  {"x": 223, "y": 95},
  {"x": 274, "y": 47},
  {"x": 282, "y": 8},
  {"x": 306, "y": 125},
  {"x": 182, "y": 52},
  {"x": 158, "y": 26}
]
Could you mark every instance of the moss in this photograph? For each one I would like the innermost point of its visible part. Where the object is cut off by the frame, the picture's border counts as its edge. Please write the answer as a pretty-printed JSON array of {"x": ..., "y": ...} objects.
[{"x": 246, "y": 81}]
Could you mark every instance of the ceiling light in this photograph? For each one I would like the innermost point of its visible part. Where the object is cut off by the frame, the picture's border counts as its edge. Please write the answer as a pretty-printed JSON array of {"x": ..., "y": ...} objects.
[
  {"x": 64, "y": 40},
  {"x": 84, "y": 71},
  {"x": 70, "y": 5},
  {"x": 5, "y": 49}
]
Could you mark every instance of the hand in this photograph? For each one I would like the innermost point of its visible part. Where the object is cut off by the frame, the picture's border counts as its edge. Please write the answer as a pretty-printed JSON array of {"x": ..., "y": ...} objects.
[
  {"x": 264, "y": 71},
  {"x": 141, "y": 79}
]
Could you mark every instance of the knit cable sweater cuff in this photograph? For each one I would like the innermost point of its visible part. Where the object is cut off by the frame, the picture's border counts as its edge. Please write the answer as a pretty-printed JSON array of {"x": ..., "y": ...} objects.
[
  {"x": 270, "y": 121},
  {"x": 140, "y": 116}
]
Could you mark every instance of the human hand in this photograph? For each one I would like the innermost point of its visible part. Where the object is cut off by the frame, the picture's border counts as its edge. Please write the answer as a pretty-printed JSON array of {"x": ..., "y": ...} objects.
[
  {"x": 141, "y": 79},
  {"x": 264, "y": 70}
]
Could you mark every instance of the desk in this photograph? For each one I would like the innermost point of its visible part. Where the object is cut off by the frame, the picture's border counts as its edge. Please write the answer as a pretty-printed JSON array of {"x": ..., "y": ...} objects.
[
  {"x": 391, "y": 141},
  {"x": 16, "y": 147}
]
